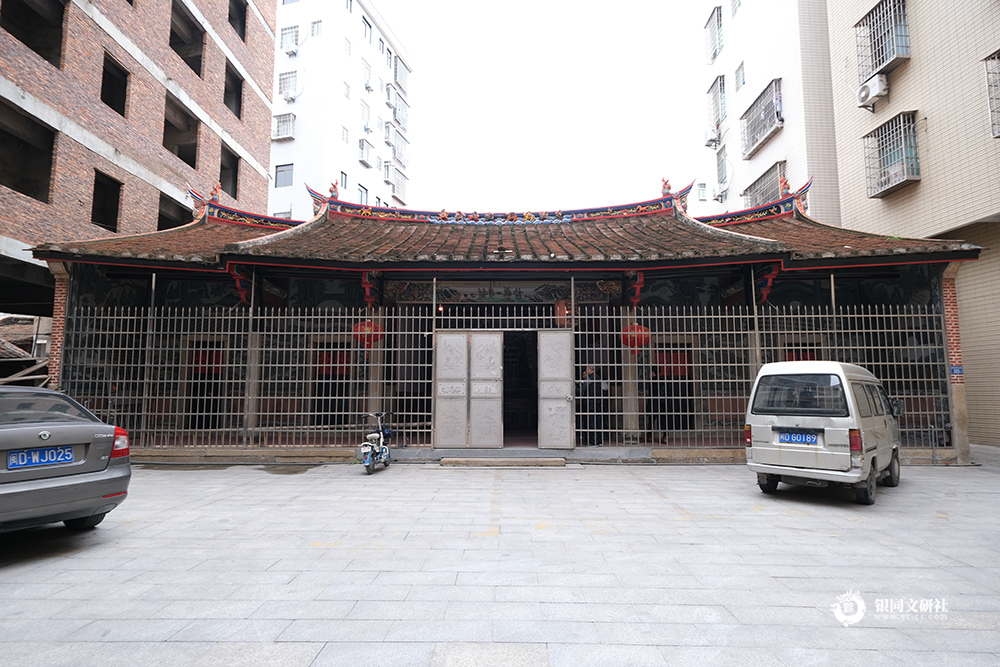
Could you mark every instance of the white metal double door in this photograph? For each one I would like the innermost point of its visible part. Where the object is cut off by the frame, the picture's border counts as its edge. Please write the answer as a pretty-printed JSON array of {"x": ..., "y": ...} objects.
[{"x": 468, "y": 389}]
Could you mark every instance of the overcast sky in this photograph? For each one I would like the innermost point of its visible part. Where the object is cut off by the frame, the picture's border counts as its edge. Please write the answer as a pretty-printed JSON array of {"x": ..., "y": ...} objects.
[{"x": 528, "y": 105}]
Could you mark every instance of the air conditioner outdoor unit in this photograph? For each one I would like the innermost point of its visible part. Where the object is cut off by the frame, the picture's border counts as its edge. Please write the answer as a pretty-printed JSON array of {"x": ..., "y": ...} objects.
[
  {"x": 719, "y": 195},
  {"x": 873, "y": 89},
  {"x": 289, "y": 96},
  {"x": 292, "y": 51},
  {"x": 368, "y": 87},
  {"x": 712, "y": 137}
]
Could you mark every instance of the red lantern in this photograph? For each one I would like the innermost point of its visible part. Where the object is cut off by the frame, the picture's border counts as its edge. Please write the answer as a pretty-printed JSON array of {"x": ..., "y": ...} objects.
[
  {"x": 563, "y": 313},
  {"x": 368, "y": 333},
  {"x": 635, "y": 336}
]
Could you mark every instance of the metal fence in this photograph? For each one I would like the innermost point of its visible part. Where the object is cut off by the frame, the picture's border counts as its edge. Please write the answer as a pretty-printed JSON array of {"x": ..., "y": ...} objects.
[{"x": 305, "y": 377}]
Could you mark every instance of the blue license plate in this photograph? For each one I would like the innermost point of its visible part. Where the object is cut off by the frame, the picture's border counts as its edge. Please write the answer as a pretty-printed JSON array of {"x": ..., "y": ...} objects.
[
  {"x": 798, "y": 438},
  {"x": 44, "y": 456}
]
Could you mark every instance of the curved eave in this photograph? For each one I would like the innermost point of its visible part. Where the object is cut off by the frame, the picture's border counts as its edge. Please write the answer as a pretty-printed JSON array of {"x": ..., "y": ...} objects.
[
  {"x": 164, "y": 263},
  {"x": 883, "y": 259}
]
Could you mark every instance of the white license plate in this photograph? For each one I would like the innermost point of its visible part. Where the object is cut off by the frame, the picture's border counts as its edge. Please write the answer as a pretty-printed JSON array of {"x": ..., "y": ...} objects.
[
  {"x": 798, "y": 438},
  {"x": 43, "y": 456}
]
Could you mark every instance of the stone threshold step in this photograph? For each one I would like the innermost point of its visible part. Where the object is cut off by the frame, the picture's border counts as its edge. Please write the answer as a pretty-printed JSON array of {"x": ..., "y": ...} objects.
[{"x": 457, "y": 462}]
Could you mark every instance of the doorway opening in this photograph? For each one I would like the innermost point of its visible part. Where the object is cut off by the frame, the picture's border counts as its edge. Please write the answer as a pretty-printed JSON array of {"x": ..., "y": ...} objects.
[{"x": 520, "y": 389}]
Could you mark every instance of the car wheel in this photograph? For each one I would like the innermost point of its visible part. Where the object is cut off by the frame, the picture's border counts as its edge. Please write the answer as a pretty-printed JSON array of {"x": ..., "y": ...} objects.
[
  {"x": 768, "y": 485},
  {"x": 892, "y": 472},
  {"x": 84, "y": 523},
  {"x": 866, "y": 494}
]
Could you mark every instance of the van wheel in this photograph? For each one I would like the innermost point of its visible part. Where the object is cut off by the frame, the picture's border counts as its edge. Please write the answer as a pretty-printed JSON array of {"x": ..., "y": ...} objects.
[
  {"x": 768, "y": 485},
  {"x": 892, "y": 472},
  {"x": 866, "y": 494}
]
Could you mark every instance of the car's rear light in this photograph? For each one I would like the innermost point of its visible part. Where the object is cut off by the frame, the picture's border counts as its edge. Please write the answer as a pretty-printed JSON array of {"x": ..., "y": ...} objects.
[
  {"x": 854, "y": 437},
  {"x": 121, "y": 443},
  {"x": 746, "y": 435}
]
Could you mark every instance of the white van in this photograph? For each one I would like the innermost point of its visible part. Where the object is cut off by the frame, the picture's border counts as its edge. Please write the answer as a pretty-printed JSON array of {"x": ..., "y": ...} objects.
[{"x": 814, "y": 423}]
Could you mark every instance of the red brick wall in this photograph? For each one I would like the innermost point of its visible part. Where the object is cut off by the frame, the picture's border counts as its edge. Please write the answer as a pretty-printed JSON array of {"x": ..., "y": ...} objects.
[
  {"x": 951, "y": 326},
  {"x": 74, "y": 90},
  {"x": 58, "y": 330}
]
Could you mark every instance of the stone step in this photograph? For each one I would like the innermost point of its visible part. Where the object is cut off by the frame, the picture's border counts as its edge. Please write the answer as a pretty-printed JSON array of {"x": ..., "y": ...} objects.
[{"x": 477, "y": 462}]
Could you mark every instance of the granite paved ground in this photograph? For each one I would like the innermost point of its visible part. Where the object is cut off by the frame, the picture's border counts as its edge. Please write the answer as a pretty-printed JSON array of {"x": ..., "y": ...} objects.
[{"x": 583, "y": 565}]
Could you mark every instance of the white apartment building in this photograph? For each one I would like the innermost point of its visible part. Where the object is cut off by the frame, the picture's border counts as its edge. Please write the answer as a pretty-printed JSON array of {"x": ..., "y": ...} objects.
[
  {"x": 340, "y": 110},
  {"x": 916, "y": 101},
  {"x": 770, "y": 113}
]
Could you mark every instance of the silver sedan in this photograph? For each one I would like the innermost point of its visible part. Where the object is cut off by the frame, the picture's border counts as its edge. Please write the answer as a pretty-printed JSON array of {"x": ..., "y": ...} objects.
[{"x": 61, "y": 463}]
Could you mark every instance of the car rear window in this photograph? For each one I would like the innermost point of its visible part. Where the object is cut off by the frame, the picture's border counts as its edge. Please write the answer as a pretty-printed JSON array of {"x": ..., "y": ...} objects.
[
  {"x": 818, "y": 394},
  {"x": 29, "y": 407}
]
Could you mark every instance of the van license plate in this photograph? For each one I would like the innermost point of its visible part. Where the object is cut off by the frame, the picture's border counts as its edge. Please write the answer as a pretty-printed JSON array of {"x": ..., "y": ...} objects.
[
  {"x": 799, "y": 438},
  {"x": 29, "y": 458}
]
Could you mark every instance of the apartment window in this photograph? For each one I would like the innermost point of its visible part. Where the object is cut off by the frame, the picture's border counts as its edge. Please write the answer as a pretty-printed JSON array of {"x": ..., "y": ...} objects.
[
  {"x": 288, "y": 2},
  {"x": 366, "y": 73},
  {"x": 367, "y": 29},
  {"x": 765, "y": 189},
  {"x": 180, "y": 131},
  {"x": 288, "y": 82},
  {"x": 993, "y": 91},
  {"x": 343, "y": 180},
  {"x": 107, "y": 197},
  {"x": 232, "y": 95},
  {"x": 378, "y": 202},
  {"x": 883, "y": 39},
  {"x": 401, "y": 74},
  {"x": 171, "y": 214},
  {"x": 347, "y": 90},
  {"x": 238, "y": 17},
  {"x": 366, "y": 114},
  {"x": 229, "y": 172},
  {"x": 289, "y": 37},
  {"x": 38, "y": 24},
  {"x": 347, "y": 46},
  {"x": 362, "y": 195},
  {"x": 736, "y": 6},
  {"x": 350, "y": 5},
  {"x": 388, "y": 58},
  {"x": 26, "y": 148},
  {"x": 399, "y": 148},
  {"x": 399, "y": 186},
  {"x": 740, "y": 77},
  {"x": 316, "y": 28},
  {"x": 717, "y": 102},
  {"x": 187, "y": 37},
  {"x": 891, "y": 160},
  {"x": 713, "y": 34},
  {"x": 762, "y": 119},
  {"x": 401, "y": 111},
  {"x": 365, "y": 152},
  {"x": 283, "y": 175},
  {"x": 720, "y": 166},
  {"x": 702, "y": 192},
  {"x": 283, "y": 127},
  {"x": 381, "y": 45},
  {"x": 114, "y": 85},
  {"x": 344, "y": 134}
]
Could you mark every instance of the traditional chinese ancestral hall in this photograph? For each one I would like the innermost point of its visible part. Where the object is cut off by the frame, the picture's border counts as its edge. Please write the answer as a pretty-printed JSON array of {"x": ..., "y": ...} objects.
[{"x": 244, "y": 331}]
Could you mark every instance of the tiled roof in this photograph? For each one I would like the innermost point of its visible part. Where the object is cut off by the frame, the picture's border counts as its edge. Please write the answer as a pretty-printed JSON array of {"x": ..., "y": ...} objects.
[
  {"x": 655, "y": 236},
  {"x": 816, "y": 243},
  {"x": 200, "y": 242}
]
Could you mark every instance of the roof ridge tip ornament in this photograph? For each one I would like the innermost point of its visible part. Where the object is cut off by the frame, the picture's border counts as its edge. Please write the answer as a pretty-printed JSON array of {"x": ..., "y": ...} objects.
[{"x": 200, "y": 202}]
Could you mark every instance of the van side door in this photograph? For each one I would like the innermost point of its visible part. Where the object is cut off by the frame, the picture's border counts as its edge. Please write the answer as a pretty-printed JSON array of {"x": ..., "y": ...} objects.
[
  {"x": 883, "y": 419},
  {"x": 866, "y": 421}
]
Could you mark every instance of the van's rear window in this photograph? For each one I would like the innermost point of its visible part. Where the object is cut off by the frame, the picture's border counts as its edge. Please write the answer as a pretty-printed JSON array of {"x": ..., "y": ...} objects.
[{"x": 817, "y": 394}]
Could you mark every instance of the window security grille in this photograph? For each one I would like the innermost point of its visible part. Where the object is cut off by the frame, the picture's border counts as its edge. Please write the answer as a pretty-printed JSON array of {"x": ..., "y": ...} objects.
[
  {"x": 399, "y": 186},
  {"x": 287, "y": 82},
  {"x": 390, "y": 135},
  {"x": 366, "y": 113},
  {"x": 390, "y": 96},
  {"x": 316, "y": 28},
  {"x": 289, "y": 38},
  {"x": 401, "y": 74},
  {"x": 720, "y": 166},
  {"x": 401, "y": 112},
  {"x": 399, "y": 149},
  {"x": 883, "y": 39},
  {"x": 762, "y": 119},
  {"x": 713, "y": 33},
  {"x": 717, "y": 102},
  {"x": 736, "y": 6},
  {"x": 388, "y": 172},
  {"x": 365, "y": 152},
  {"x": 891, "y": 159},
  {"x": 283, "y": 127},
  {"x": 993, "y": 91},
  {"x": 765, "y": 189},
  {"x": 740, "y": 77},
  {"x": 366, "y": 73}
]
